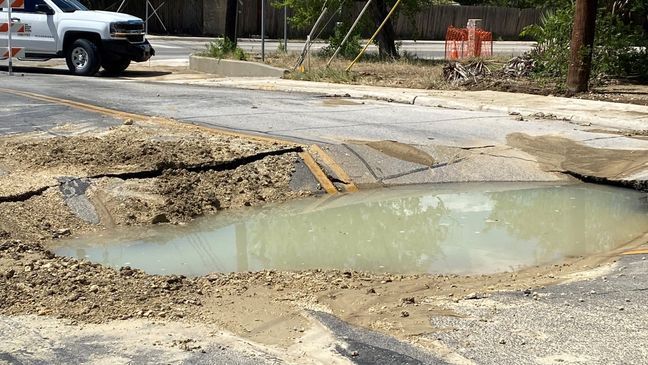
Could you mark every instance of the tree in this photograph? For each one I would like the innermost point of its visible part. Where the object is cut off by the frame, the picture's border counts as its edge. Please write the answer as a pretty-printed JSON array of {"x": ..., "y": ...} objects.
[
  {"x": 582, "y": 44},
  {"x": 230, "y": 20},
  {"x": 305, "y": 12}
]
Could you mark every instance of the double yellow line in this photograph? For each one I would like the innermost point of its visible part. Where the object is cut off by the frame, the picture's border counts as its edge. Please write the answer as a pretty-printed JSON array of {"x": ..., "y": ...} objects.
[{"x": 307, "y": 155}]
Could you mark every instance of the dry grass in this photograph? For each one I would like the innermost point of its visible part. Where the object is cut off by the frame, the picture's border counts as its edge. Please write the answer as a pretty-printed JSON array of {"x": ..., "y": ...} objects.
[
  {"x": 428, "y": 74},
  {"x": 406, "y": 73}
]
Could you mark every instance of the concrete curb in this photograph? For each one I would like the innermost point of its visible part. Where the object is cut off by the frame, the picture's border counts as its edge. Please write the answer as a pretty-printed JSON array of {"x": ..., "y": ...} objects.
[
  {"x": 580, "y": 111},
  {"x": 233, "y": 68}
]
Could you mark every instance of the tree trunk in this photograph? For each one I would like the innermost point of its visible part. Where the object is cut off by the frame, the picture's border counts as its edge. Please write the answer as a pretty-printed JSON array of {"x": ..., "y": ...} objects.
[
  {"x": 387, "y": 37},
  {"x": 230, "y": 20},
  {"x": 582, "y": 44}
]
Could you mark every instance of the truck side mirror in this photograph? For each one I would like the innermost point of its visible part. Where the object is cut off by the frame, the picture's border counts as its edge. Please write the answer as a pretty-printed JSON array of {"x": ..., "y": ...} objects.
[{"x": 44, "y": 8}]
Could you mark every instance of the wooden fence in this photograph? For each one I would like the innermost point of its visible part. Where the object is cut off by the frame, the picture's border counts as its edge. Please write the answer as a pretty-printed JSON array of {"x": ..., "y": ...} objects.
[
  {"x": 179, "y": 16},
  {"x": 207, "y": 17}
]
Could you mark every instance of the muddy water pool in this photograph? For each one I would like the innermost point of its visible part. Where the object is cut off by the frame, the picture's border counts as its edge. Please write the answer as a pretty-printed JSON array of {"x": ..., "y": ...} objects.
[{"x": 449, "y": 228}]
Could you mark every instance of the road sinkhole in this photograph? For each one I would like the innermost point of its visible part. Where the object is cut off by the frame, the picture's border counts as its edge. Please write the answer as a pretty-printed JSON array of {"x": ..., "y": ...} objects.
[{"x": 449, "y": 228}]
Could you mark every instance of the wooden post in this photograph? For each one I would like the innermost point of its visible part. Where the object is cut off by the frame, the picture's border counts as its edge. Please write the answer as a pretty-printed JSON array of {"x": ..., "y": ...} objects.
[
  {"x": 582, "y": 43},
  {"x": 230, "y": 20}
]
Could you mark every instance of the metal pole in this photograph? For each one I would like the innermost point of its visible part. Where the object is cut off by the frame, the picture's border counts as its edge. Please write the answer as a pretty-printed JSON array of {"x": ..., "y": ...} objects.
[
  {"x": 346, "y": 38},
  {"x": 146, "y": 17},
  {"x": 393, "y": 9},
  {"x": 263, "y": 30},
  {"x": 121, "y": 5},
  {"x": 309, "y": 39},
  {"x": 9, "y": 39},
  {"x": 286, "y": 29}
]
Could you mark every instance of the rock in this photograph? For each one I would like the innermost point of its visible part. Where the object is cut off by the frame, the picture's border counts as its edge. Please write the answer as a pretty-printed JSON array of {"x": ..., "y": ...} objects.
[
  {"x": 408, "y": 300},
  {"x": 474, "y": 296},
  {"x": 404, "y": 314},
  {"x": 159, "y": 218},
  {"x": 9, "y": 273},
  {"x": 129, "y": 121},
  {"x": 64, "y": 231},
  {"x": 126, "y": 271},
  {"x": 73, "y": 297},
  {"x": 502, "y": 342},
  {"x": 371, "y": 291}
]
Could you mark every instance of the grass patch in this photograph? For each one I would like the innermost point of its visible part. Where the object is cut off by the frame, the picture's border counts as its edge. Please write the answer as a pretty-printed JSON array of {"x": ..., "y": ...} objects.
[{"x": 224, "y": 48}]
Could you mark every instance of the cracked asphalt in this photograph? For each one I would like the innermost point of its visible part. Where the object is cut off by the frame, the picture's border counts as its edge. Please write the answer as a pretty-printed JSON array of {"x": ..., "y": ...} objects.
[
  {"x": 598, "y": 320},
  {"x": 594, "y": 320},
  {"x": 450, "y": 137}
]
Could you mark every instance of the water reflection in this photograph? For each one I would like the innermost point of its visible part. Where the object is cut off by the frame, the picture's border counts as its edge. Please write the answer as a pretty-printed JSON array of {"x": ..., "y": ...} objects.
[{"x": 470, "y": 228}]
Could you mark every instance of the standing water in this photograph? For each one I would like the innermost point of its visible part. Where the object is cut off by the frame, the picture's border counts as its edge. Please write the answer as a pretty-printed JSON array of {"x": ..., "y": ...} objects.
[{"x": 454, "y": 228}]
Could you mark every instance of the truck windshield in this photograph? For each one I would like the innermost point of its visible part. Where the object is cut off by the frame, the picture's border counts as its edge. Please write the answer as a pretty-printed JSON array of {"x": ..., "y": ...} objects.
[{"x": 69, "y": 6}]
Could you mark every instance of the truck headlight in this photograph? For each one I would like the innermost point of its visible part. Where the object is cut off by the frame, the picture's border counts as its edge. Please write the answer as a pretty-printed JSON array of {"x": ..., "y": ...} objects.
[{"x": 126, "y": 29}]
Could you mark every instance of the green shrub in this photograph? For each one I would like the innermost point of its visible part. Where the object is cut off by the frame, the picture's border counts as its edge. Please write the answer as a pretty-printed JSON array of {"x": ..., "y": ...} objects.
[
  {"x": 619, "y": 49},
  {"x": 553, "y": 37},
  {"x": 349, "y": 50},
  {"x": 224, "y": 48}
]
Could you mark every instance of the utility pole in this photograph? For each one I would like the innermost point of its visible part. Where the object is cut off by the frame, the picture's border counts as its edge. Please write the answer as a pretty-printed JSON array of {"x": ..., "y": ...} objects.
[
  {"x": 263, "y": 30},
  {"x": 231, "y": 14},
  {"x": 582, "y": 44}
]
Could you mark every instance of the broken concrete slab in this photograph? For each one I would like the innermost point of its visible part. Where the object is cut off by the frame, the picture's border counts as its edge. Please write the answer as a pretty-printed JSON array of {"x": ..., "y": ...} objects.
[{"x": 74, "y": 191}]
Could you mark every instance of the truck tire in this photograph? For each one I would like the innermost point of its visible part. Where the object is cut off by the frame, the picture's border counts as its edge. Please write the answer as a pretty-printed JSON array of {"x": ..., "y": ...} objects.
[
  {"x": 83, "y": 58},
  {"x": 115, "y": 66}
]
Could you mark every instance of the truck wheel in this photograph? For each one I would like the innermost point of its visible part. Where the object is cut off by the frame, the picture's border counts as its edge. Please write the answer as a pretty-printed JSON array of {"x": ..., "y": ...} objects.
[
  {"x": 116, "y": 66},
  {"x": 83, "y": 58}
]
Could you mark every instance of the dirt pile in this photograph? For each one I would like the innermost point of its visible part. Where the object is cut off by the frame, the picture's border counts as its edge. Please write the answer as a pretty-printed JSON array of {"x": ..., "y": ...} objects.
[
  {"x": 134, "y": 174},
  {"x": 33, "y": 280}
]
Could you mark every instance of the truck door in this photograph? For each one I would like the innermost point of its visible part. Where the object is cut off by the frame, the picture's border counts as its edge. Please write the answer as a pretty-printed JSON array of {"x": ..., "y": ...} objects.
[{"x": 40, "y": 32}]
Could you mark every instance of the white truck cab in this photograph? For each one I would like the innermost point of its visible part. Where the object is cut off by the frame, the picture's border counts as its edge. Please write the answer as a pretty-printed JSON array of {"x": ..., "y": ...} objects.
[{"x": 87, "y": 39}]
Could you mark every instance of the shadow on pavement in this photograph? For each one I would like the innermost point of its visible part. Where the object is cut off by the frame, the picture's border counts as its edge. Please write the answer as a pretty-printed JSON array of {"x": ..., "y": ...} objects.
[{"x": 63, "y": 71}]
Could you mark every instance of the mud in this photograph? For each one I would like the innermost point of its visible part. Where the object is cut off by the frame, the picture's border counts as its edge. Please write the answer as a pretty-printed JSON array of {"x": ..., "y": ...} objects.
[
  {"x": 403, "y": 152},
  {"x": 587, "y": 163}
]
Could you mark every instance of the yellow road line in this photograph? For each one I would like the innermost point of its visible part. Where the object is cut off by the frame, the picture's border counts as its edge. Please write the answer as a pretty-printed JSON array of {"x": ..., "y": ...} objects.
[
  {"x": 142, "y": 118},
  {"x": 318, "y": 173},
  {"x": 315, "y": 169},
  {"x": 640, "y": 251},
  {"x": 335, "y": 167}
]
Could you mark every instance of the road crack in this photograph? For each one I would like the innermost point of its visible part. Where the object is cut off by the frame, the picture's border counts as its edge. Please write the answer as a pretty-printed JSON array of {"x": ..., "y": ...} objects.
[{"x": 156, "y": 172}]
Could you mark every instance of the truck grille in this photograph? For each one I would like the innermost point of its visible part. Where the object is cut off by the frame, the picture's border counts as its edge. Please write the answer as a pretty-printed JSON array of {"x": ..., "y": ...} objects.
[
  {"x": 133, "y": 31},
  {"x": 135, "y": 38},
  {"x": 126, "y": 26}
]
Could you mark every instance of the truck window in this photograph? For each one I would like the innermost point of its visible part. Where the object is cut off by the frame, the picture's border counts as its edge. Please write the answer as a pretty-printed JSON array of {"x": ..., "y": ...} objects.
[
  {"x": 69, "y": 6},
  {"x": 30, "y": 6}
]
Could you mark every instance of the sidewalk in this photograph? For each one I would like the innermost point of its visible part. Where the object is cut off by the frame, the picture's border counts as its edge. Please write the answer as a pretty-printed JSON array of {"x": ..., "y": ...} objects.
[{"x": 597, "y": 113}]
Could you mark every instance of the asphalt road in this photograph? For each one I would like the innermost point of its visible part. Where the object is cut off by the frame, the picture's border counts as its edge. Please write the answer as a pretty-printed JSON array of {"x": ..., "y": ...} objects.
[
  {"x": 303, "y": 117},
  {"x": 175, "y": 48},
  {"x": 311, "y": 118}
]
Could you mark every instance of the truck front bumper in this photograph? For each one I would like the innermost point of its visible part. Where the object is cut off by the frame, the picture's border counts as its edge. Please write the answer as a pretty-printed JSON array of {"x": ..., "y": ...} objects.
[{"x": 138, "y": 52}]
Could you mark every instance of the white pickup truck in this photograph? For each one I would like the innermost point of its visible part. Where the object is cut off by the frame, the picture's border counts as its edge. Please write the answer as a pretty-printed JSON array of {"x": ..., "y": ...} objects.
[{"x": 87, "y": 39}]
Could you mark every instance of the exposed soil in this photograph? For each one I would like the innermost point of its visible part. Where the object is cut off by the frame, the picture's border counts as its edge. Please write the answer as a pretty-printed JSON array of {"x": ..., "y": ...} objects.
[
  {"x": 148, "y": 174},
  {"x": 135, "y": 174}
]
